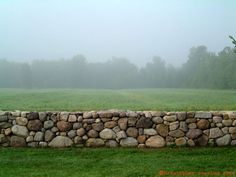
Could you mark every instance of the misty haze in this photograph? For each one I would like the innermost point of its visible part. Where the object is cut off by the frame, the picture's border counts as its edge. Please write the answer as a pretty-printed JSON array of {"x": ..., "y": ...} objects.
[{"x": 117, "y": 44}]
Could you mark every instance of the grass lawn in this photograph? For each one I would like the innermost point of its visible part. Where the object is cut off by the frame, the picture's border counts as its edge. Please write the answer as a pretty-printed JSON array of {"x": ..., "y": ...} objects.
[
  {"x": 138, "y": 99},
  {"x": 118, "y": 162}
]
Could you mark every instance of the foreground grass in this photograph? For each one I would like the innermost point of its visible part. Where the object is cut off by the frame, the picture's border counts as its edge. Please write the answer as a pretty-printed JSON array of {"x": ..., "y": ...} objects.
[
  {"x": 139, "y": 99},
  {"x": 115, "y": 162}
]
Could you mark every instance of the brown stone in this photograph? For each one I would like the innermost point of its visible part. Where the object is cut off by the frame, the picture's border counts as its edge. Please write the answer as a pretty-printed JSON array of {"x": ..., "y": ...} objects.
[
  {"x": 144, "y": 123},
  {"x": 162, "y": 130},
  {"x": 123, "y": 122},
  {"x": 105, "y": 114},
  {"x": 34, "y": 125},
  {"x": 92, "y": 133},
  {"x": 64, "y": 126},
  {"x": 110, "y": 124},
  {"x": 141, "y": 139},
  {"x": 132, "y": 132},
  {"x": 203, "y": 124},
  {"x": 155, "y": 142},
  {"x": 32, "y": 115},
  {"x": 202, "y": 140},
  {"x": 98, "y": 126},
  {"x": 180, "y": 141},
  {"x": 17, "y": 141},
  {"x": 80, "y": 132},
  {"x": 194, "y": 133}
]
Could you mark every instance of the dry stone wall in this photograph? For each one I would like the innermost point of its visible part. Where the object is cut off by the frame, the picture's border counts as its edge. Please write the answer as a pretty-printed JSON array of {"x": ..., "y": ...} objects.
[{"x": 115, "y": 128}]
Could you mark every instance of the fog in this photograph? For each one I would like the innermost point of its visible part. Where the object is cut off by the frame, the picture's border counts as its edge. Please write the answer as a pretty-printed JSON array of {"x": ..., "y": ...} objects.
[{"x": 132, "y": 29}]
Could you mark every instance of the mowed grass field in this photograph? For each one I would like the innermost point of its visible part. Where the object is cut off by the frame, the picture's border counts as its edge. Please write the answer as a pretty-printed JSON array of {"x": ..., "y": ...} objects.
[
  {"x": 133, "y": 99},
  {"x": 102, "y": 162},
  {"x": 119, "y": 162}
]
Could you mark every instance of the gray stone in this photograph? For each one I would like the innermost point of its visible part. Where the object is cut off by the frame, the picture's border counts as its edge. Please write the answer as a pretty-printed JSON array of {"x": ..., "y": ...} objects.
[
  {"x": 29, "y": 139},
  {"x": 132, "y": 114},
  {"x": 192, "y": 125},
  {"x": 129, "y": 142},
  {"x": 20, "y": 130},
  {"x": 48, "y": 124},
  {"x": 174, "y": 125},
  {"x": 38, "y": 136},
  {"x": 71, "y": 134},
  {"x": 42, "y": 116},
  {"x": 223, "y": 141},
  {"x": 16, "y": 113},
  {"x": 98, "y": 126},
  {"x": 157, "y": 113},
  {"x": 215, "y": 133},
  {"x": 157, "y": 120},
  {"x": 233, "y": 143},
  {"x": 227, "y": 123},
  {"x": 77, "y": 125},
  {"x": 181, "y": 115},
  {"x": 33, "y": 144},
  {"x": 132, "y": 121},
  {"x": 150, "y": 131},
  {"x": 232, "y": 115},
  {"x": 155, "y": 142},
  {"x": 60, "y": 142},
  {"x": 72, "y": 118},
  {"x": 232, "y": 130},
  {"x": 21, "y": 121},
  {"x": 171, "y": 118},
  {"x": 64, "y": 116},
  {"x": 107, "y": 134},
  {"x": 121, "y": 135},
  {"x": 3, "y": 138},
  {"x": 111, "y": 143},
  {"x": 3, "y": 118},
  {"x": 225, "y": 130},
  {"x": 94, "y": 142},
  {"x": 48, "y": 136},
  {"x": 5, "y": 125},
  {"x": 183, "y": 126},
  {"x": 43, "y": 144},
  {"x": 217, "y": 119},
  {"x": 87, "y": 115},
  {"x": 176, "y": 133},
  {"x": 203, "y": 115}
]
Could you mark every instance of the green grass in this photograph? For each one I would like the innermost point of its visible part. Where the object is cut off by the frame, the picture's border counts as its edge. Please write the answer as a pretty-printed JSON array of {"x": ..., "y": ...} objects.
[
  {"x": 118, "y": 162},
  {"x": 138, "y": 99}
]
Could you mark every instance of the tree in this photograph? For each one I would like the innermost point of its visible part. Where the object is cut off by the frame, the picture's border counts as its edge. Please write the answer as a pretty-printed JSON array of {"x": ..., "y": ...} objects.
[{"x": 234, "y": 42}]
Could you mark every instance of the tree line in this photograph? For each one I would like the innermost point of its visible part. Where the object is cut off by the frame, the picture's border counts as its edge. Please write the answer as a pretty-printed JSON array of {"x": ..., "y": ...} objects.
[{"x": 203, "y": 69}]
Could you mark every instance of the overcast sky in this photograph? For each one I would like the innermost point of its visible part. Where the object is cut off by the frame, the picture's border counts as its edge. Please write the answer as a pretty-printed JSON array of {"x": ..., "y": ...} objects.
[{"x": 100, "y": 29}]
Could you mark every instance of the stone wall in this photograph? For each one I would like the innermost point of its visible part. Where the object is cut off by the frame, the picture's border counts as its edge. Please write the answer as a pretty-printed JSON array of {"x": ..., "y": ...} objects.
[{"x": 117, "y": 128}]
